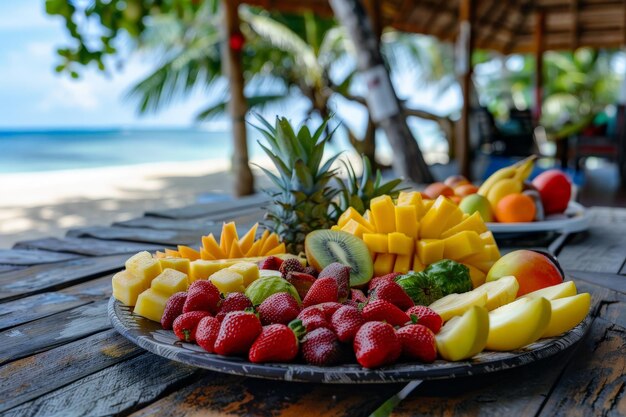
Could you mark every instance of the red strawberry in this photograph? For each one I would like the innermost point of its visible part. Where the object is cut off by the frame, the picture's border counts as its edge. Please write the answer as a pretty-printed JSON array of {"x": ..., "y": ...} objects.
[
  {"x": 376, "y": 344},
  {"x": 237, "y": 332},
  {"x": 351, "y": 303},
  {"x": 392, "y": 292},
  {"x": 311, "y": 271},
  {"x": 341, "y": 274},
  {"x": 280, "y": 307},
  {"x": 346, "y": 322},
  {"x": 321, "y": 347},
  {"x": 418, "y": 342},
  {"x": 173, "y": 309},
  {"x": 426, "y": 317},
  {"x": 271, "y": 262},
  {"x": 329, "y": 308},
  {"x": 202, "y": 295},
  {"x": 322, "y": 290},
  {"x": 301, "y": 281},
  {"x": 382, "y": 310},
  {"x": 185, "y": 325},
  {"x": 235, "y": 301},
  {"x": 276, "y": 343},
  {"x": 206, "y": 333},
  {"x": 377, "y": 280},
  {"x": 313, "y": 318},
  {"x": 290, "y": 265},
  {"x": 357, "y": 296}
]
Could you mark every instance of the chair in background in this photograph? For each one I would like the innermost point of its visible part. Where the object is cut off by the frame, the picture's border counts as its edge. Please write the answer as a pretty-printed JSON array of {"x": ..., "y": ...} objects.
[{"x": 513, "y": 139}]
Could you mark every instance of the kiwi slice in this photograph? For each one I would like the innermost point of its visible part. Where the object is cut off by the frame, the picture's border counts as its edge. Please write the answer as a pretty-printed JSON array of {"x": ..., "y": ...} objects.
[{"x": 323, "y": 247}]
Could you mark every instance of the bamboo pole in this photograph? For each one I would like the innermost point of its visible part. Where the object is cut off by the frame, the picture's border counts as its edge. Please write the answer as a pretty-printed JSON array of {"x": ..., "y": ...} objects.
[
  {"x": 539, "y": 47},
  {"x": 465, "y": 47}
]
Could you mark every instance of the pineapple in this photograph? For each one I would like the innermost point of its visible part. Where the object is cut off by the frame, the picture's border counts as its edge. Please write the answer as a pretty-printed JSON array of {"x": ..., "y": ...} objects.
[{"x": 303, "y": 201}]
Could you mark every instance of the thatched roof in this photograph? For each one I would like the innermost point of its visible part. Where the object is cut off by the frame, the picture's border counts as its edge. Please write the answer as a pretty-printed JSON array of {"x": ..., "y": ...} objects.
[{"x": 501, "y": 25}]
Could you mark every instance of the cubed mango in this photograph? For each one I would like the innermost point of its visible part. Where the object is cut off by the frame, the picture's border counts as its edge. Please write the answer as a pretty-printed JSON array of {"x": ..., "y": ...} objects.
[
  {"x": 430, "y": 250},
  {"x": 170, "y": 281},
  {"x": 352, "y": 214},
  {"x": 151, "y": 304},
  {"x": 376, "y": 242},
  {"x": 476, "y": 275},
  {"x": 179, "y": 264},
  {"x": 417, "y": 264},
  {"x": 461, "y": 245},
  {"x": 127, "y": 287},
  {"x": 248, "y": 270},
  {"x": 383, "y": 264},
  {"x": 487, "y": 238},
  {"x": 400, "y": 244},
  {"x": 403, "y": 263},
  {"x": 434, "y": 221},
  {"x": 355, "y": 228},
  {"x": 473, "y": 223},
  {"x": 383, "y": 212},
  {"x": 228, "y": 281},
  {"x": 201, "y": 269},
  {"x": 143, "y": 265},
  {"x": 406, "y": 221}
]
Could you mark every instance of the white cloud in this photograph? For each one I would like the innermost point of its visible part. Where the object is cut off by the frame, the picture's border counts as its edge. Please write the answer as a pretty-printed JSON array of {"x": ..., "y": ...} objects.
[{"x": 70, "y": 95}]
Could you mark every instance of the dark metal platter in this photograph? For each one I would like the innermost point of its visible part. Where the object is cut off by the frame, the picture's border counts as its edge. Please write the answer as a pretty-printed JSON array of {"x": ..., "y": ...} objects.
[{"x": 150, "y": 336}]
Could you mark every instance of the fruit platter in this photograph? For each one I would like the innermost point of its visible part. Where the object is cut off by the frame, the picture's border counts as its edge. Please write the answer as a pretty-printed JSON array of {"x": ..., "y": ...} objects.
[{"x": 352, "y": 282}]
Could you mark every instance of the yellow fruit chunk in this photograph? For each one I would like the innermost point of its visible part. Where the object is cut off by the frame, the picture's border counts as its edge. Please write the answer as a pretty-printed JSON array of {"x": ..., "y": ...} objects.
[
  {"x": 410, "y": 198},
  {"x": 206, "y": 256},
  {"x": 126, "y": 287},
  {"x": 403, "y": 263},
  {"x": 228, "y": 281},
  {"x": 159, "y": 255},
  {"x": 235, "y": 251},
  {"x": 456, "y": 304},
  {"x": 487, "y": 253},
  {"x": 245, "y": 243},
  {"x": 189, "y": 253},
  {"x": 400, "y": 244},
  {"x": 461, "y": 245},
  {"x": 210, "y": 245},
  {"x": 406, "y": 221},
  {"x": 142, "y": 265},
  {"x": 270, "y": 243},
  {"x": 562, "y": 290},
  {"x": 430, "y": 250},
  {"x": 465, "y": 336},
  {"x": 427, "y": 205},
  {"x": 417, "y": 264},
  {"x": 473, "y": 223},
  {"x": 280, "y": 249},
  {"x": 518, "y": 324},
  {"x": 499, "y": 292},
  {"x": 169, "y": 282},
  {"x": 384, "y": 264},
  {"x": 454, "y": 218},
  {"x": 376, "y": 242},
  {"x": 567, "y": 313},
  {"x": 434, "y": 221},
  {"x": 151, "y": 304},
  {"x": 201, "y": 269},
  {"x": 383, "y": 213},
  {"x": 352, "y": 214},
  {"x": 264, "y": 236},
  {"x": 255, "y": 248},
  {"x": 228, "y": 236},
  {"x": 476, "y": 275},
  {"x": 484, "y": 266},
  {"x": 355, "y": 228},
  {"x": 487, "y": 238},
  {"x": 179, "y": 264},
  {"x": 171, "y": 253},
  {"x": 248, "y": 270}
]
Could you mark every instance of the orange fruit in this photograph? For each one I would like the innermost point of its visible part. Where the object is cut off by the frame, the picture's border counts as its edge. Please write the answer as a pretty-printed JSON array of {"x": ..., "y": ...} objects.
[
  {"x": 436, "y": 189},
  {"x": 515, "y": 208},
  {"x": 465, "y": 190},
  {"x": 455, "y": 180}
]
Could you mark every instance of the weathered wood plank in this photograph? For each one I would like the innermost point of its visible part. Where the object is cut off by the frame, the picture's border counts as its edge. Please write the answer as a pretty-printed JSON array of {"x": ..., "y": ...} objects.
[
  {"x": 203, "y": 210},
  {"x": 31, "y": 377},
  {"x": 32, "y": 257},
  {"x": 136, "y": 234},
  {"x": 58, "y": 329},
  {"x": 610, "y": 281},
  {"x": 8, "y": 268},
  {"x": 45, "y": 277},
  {"x": 86, "y": 246},
  {"x": 118, "y": 389}
]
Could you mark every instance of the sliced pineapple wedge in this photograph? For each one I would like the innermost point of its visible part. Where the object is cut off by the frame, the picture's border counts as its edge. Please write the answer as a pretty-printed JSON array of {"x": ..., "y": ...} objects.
[
  {"x": 499, "y": 292},
  {"x": 456, "y": 304}
]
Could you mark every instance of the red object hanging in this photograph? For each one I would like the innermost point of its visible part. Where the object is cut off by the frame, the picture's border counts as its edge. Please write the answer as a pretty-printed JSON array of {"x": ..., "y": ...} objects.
[{"x": 236, "y": 41}]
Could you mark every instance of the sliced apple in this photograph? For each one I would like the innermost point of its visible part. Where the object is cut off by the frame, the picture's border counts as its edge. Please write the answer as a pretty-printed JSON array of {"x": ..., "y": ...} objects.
[
  {"x": 456, "y": 304},
  {"x": 464, "y": 336},
  {"x": 518, "y": 324},
  {"x": 499, "y": 292},
  {"x": 567, "y": 313},
  {"x": 564, "y": 289}
]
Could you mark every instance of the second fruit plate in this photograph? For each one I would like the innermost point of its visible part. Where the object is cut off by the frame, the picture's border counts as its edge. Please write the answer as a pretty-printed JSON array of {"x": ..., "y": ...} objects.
[
  {"x": 575, "y": 219},
  {"x": 150, "y": 336}
]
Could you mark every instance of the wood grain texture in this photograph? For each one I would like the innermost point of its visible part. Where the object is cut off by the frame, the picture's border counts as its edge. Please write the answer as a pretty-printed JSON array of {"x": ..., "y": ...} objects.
[
  {"x": 8, "y": 268},
  {"x": 203, "y": 210},
  {"x": 32, "y": 257},
  {"x": 609, "y": 281},
  {"x": 136, "y": 234},
  {"x": 86, "y": 246},
  {"x": 28, "y": 378}
]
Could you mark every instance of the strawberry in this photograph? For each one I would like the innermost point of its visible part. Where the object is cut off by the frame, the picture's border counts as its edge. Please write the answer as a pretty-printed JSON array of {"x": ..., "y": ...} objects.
[
  {"x": 377, "y": 280},
  {"x": 202, "y": 295},
  {"x": 206, "y": 332},
  {"x": 313, "y": 318},
  {"x": 311, "y": 271},
  {"x": 345, "y": 322},
  {"x": 426, "y": 317},
  {"x": 418, "y": 342},
  {"x": 173, "y": 309},
  {"x": 341, "y": 274},
  {"x": 271, "y": 262},
  {"x": 235, "y": 301},
  {"x": 392, "y": 292},
  {"x": 351, "y": 303},
  {"x": 376, "y": 344},
  {"x": 357, "y": 296},
  {"x": 290, "y": 265},
  {"x": 321, "y": 347},
  {"x": 276, "y": 343},
  {"x": 280, "y": 307},
  {"x": 322, "y": 290},
  {"x": 237, "y": 332},
  {"x": 185, "y": 325},
  {"x": 301, "y": 281},
  {"x": 382, "y": 310},
  {"x": 328, "y": 308}
]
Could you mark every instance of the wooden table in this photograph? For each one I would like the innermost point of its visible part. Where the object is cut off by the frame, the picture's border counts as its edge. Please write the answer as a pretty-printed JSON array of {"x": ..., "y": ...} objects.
[{"x": 59, "y": 355}]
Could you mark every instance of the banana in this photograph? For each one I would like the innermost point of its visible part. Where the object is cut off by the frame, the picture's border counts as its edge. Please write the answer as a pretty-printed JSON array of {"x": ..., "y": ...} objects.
[
  {"x": 503, "y": 188},
  {"x": 502, "y": 173},
  {"x": 507, "y": 180}
]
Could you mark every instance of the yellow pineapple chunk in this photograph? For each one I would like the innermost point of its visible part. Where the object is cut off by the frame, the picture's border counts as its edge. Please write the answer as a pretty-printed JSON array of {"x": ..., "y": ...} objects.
[
  {"x": 210, "y": 245},
  {"x": 245, "y": 243},
  {"x": 270, "y": 243},
  {"x": 403, "y": 263},
  {"x": 202, "y": 269},
  {"x": 142, "y": 265},
  {"x": 473, "y": 223},
  {"x": 461, "y": 245},
  {"x": 400, "y": 244},
  {"x": 189, "y": 253},
  {"x": 352, "y": 214},
  {"x": 406, "y": 221},
  {"x": 376, "y": 242},
  {"x": 476, "y": 275},
  {"x": 487, "y": 238},
  {"x": 277, "y": 250},
  {"x": 170, "y": 281},
  {"x": 355, "y": 228},
  {"x": 248, "y": 270},
  {"x": 151, "y": 304},
  {"x": 126, "y": 287},
  {"x": 430, "y": 250},
  {"x": 384, "y": 264},
  {"x": 228, "y": 281},
  {"x": 488, "y": 253},
  {"x": 383, "y": 212},
  {"x": 179, "y": 264},
  {"x": 417, "y": 263},
  {"x": 434, "y": 221},
  {"x": 228, "y": 236}
]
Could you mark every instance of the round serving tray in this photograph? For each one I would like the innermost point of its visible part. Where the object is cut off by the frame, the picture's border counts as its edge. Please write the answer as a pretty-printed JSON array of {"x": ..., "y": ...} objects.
[
  {"x": 575, "y": 219},
  {"x": 150, "y": 336}
]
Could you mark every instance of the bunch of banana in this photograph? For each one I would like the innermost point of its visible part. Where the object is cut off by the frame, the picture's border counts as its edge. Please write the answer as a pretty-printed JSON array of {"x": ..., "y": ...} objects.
[{"x": 507, "y": 180}]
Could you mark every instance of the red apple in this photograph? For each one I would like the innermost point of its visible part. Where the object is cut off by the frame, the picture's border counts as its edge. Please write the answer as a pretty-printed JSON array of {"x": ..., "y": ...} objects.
[
  {"x": 555, "y": 190},
  {"x": 533, "y": 270},
  {"x": 436, "y": 189}
]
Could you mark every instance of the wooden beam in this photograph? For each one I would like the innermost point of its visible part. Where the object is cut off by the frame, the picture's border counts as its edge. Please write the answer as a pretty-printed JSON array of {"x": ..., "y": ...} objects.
[
  {"x": 465, "y": 47},
  {"x": 539, "y": 48},
  {"x": 575, "y": 24}
]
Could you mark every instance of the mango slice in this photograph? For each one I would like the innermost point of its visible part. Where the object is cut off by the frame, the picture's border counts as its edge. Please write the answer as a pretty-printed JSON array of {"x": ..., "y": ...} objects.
[
  {"x": 384, "y": 263},
  {"x": 567, "y": 313},
  {"x": 434, "y": 221},
  {"x": 430, "y": 250},
  {"x": 518, "y": 324},
  {"x": 400, "y": 244},
  {"x": 403, "y": 263},
  {"x": 383, "y": 212},
  {"x": 406, "y": 221},
  {"x": 355, "y": 228},
  {"x": 564, "y": 289},
  {"x": 210, "y": 245},
  {"x": 472, "y": 223},
  {"x": 499, "y": 292},
  {"x": 352, "y": 214},
  {"x": 376, "y": 242},
  {"x": 189, "y": 253},
  {"x": 456, "y": 304},
  {"x": 464, "y": 336},
  {"x": 245, "y": 243},
  {"x": 461, "y": 245},
  {"x": 228, "y": 236}
]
